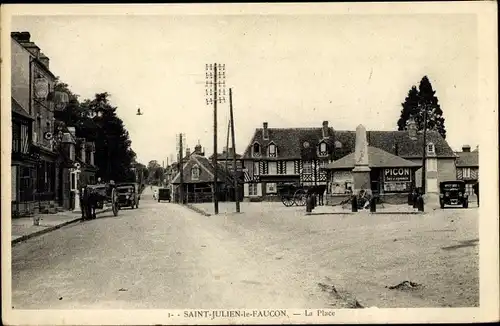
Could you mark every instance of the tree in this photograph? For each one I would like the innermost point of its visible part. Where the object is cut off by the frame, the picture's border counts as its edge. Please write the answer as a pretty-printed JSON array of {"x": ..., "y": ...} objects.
[
  {"x": 415, "y": 104},
  {"x": 96, "y": 121},
  {"x": 114, "y": 155}
]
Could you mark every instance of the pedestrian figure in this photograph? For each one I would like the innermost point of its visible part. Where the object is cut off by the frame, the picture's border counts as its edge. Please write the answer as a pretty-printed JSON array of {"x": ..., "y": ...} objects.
[
  {"x": 476, "y": 191},
  {"x": 364, "y": 198},
  {"x": 155, "y": 194}
]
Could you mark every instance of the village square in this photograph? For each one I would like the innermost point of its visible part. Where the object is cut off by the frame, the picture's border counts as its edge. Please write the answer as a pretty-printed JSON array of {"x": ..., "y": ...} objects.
[{"x": 233, "y": 206}]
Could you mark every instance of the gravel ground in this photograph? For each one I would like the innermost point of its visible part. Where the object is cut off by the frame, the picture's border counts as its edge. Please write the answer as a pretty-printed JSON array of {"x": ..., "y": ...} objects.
[
  {"x": 363, "y": 255},
  {"x": 166, "y": 256}
]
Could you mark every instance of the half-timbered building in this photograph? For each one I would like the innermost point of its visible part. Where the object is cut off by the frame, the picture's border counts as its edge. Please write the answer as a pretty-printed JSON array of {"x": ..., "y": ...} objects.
[
  {"x": 468, "y": 167},
  {"x": 300, "y": 155}
]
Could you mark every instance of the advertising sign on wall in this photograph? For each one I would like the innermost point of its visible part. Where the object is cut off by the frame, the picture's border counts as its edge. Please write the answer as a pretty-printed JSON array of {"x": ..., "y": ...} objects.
[{"x": 397, "y": 175}]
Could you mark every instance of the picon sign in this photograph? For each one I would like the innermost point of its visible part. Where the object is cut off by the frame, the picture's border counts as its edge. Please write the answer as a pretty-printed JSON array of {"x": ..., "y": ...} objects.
[{"x": 397, "y": 175}]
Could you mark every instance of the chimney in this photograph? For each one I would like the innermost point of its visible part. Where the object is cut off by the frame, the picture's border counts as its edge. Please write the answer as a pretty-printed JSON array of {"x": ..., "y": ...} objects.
[
  {"x": 197, "y": 149},
  {"x": 44, "y": 60},
  {"x": 21, "y": 37},
  {"x": 325, "y": 129},
  {"x": 265, "y": 132},
  {"x": 466, "y": 148},
  {"x": 412, "y": 129},
  {"x": 188, "y": 152}
]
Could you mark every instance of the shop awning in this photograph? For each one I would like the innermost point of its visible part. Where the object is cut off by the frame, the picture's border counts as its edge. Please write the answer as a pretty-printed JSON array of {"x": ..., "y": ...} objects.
[{"x": 377, "y": 158}]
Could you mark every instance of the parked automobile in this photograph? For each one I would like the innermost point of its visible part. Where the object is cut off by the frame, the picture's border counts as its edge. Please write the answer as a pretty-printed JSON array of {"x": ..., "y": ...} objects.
[
  {"x": 164, "y": 194},
  {"x": 453, "y": 193},
  {"x": 128, "y": 195}
]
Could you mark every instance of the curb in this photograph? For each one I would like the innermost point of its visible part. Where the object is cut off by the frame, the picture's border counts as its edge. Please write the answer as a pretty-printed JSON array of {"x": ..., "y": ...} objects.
[
  {"x": 196, "y": 209},
  {"x": 48, "y": 229}
]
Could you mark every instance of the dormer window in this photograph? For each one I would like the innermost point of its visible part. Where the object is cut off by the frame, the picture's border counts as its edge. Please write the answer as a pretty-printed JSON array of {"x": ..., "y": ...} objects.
[
  {"x": 195, "y": 172},
  {"x": 323, "y": 149},
  {"x": 256, "y": 149},
  {"x": 272, "y": 150},
  {"x": 430, "y": 148}
]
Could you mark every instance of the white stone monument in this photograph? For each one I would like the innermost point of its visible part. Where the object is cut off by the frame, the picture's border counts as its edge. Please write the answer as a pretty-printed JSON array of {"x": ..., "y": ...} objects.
[{"x": 361, "y": 171}]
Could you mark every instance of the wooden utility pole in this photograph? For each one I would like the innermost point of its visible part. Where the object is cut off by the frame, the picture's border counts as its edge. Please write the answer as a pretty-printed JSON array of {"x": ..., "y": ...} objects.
[
  {"x": 235, "y": 169},
  {"x": 227, "y": 142},
  {"x": 424, "y": 155},
  {"x": 214, "y": 157},
  {"x": 215, "y": 77},
  {"x": 180, "y": 167}
]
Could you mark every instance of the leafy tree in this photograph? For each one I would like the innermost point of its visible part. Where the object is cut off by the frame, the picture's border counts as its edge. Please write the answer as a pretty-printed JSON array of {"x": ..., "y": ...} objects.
[
  {"x": 415, "y": 104},
  {"x": 96, "y": 121}
]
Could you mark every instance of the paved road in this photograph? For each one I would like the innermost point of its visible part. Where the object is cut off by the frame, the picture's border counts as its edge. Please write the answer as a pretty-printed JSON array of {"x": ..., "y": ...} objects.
[
  {"x": 158, "y": 256},
  {"x": 166, "y": 256}
]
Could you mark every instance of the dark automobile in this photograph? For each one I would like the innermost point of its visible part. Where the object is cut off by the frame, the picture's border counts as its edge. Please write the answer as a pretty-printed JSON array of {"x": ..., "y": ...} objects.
[
  {"x": 164, "y": 194},
  {"x": 453, "y": 193},
  {"x": 128, "y": 195}
]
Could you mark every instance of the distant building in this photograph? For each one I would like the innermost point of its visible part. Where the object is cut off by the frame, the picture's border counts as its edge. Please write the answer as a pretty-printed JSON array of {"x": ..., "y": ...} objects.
[
  {"x": 198, "y": 178},
  {"x": 227, "y": 155},
  {"x": 301, "y": 155},
  {"x": 468, "y": 167}
]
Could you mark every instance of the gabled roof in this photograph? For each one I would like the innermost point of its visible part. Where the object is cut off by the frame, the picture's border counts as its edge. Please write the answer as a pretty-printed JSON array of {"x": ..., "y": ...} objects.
[
  {"x": 468, "y": 159},
  {"x": 222, "y": 156},
  {"x": 289, "y": 142},
  {"x": 377, "y": 158},
  {"x": 206, "y": 171}
]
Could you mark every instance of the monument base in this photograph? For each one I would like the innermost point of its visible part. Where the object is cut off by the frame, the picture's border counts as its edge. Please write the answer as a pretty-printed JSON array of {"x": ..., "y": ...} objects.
[{"x": 361, "y": 181}]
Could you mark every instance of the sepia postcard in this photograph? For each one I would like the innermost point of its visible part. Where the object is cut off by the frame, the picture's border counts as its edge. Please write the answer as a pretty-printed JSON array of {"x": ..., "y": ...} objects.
[{"x": 281, "y": 163}]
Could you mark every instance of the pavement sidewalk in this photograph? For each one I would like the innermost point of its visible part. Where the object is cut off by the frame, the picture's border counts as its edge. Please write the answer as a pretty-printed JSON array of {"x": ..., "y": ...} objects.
[{"x": 23, "y": 228}]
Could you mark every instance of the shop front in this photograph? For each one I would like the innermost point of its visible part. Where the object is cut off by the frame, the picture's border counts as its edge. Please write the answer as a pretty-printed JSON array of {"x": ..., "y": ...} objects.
[{"x": 391, "y": 177}]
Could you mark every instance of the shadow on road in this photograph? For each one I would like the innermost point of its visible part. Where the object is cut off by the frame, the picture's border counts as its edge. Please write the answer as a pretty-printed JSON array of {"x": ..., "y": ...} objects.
[{"x": 463, "y": 244}]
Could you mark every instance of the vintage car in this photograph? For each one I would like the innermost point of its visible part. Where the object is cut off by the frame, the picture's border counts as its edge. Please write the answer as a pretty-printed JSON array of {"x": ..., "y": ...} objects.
[
  {"x": 453, "y": 193},
  {"x": 164, "y": 194},
  {"x": 128, "y": 195}
]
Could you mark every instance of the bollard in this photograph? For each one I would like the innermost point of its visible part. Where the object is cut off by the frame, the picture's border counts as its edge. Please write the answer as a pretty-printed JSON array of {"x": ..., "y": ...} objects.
[
  {"x": 309, "y": 204},
  {"x": 354, "y": 202},
  {"x": 373, "y": 204},
  {"x": 420, "y": 203},
  {"x": 410, "y": 199}
]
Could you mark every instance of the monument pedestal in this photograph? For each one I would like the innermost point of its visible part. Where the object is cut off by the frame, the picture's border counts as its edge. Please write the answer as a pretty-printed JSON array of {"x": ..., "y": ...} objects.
[{"x": 361, "y": 179}]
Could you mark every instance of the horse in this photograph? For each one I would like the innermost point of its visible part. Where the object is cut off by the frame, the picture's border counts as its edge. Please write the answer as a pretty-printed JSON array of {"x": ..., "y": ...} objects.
[
  {"x": 319, "y": 191},
  {"x": 88, "y": 203}
]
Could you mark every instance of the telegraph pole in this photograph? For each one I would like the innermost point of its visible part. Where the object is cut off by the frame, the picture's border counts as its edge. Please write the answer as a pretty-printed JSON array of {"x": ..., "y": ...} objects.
[
  {"x": 180, "y": 168},
  {"x": 236, "y": 187},
  {"x": 424, "y": 155},
  {"x": 214, "y": 96}
]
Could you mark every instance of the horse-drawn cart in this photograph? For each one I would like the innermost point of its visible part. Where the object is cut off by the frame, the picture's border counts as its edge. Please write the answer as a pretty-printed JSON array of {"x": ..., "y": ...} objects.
[
  {"x": 296, "y": 194},
  {"x": 99, "y": 196}
]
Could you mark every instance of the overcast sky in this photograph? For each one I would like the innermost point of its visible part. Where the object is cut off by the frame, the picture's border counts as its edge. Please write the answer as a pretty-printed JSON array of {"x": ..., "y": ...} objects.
[{"x": 291, "y": 71}]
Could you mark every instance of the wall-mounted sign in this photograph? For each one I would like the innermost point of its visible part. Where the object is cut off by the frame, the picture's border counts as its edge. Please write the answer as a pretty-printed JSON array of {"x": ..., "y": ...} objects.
[
  {"x": 41, "y": 88},
  {"x": 397, "y": 175}
]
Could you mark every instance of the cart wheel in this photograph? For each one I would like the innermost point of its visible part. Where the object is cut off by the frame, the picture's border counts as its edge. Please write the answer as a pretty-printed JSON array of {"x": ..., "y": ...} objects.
[
  {"x": 287, "y": 200},
  {"x": 300, "y": 197},
  {"x": 114, "y": 202}
]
